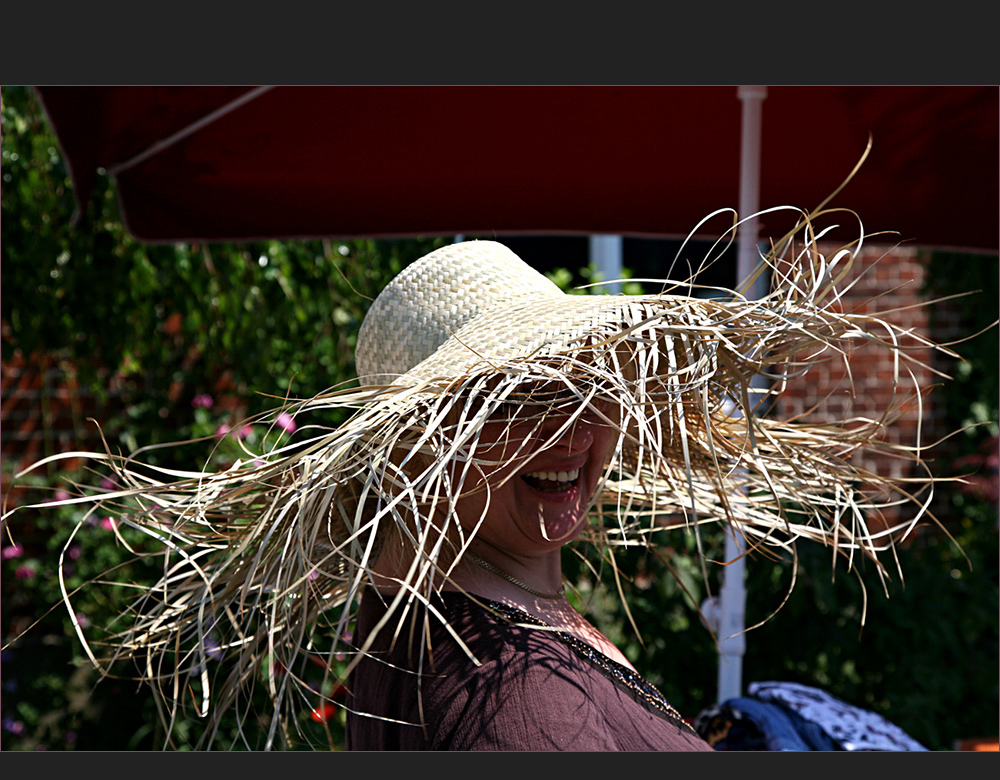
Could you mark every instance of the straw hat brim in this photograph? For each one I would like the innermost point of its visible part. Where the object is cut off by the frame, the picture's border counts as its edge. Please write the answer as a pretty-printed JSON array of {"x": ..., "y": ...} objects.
[{"x": 264, "y": 551}]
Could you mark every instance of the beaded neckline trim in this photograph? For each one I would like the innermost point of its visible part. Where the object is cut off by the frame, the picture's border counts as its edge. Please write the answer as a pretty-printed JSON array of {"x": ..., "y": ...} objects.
[{"x": 644, "y": 690}]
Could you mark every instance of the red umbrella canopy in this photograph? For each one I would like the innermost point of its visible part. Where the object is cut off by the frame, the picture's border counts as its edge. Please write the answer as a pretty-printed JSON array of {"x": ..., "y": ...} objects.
[{"x": 224, "y": 162}]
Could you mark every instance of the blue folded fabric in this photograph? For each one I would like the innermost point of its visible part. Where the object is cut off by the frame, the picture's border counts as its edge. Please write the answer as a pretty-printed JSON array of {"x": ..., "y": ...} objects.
[
  {"x": 847, "y": 726},
  {"x": 783, "y": 716},
  {"x": 779, "y": 729}
]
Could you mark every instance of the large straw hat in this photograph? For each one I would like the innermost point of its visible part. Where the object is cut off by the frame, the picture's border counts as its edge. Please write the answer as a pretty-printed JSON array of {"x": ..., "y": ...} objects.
[
  {"x": 471, "y": 303},
  {"x": 264, "y": 552}
]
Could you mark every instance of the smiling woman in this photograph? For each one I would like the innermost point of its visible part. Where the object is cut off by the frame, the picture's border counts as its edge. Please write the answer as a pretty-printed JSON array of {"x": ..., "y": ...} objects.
[
  {"x": 504, "y": 685},
  {"x": 496, "y": 421}
]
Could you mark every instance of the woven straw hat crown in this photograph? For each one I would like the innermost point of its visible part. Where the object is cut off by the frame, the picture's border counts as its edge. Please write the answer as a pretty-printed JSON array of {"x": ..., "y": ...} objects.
[{"x": 435, "y": 297}]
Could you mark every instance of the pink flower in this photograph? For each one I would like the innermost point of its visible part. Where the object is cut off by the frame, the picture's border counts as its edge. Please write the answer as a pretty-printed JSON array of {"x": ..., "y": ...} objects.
[
  {"x": 109, "y": 523},
  {"x": 204, "y": 400},
  {"x": 15, "y": 727},
  {"x": 59, "y": 496},
  {"x": 13, "y": 551},
  {"x": 982, "y": 485},
  {"x": 241, "y": 433},
  {"x": 24, "y": 572},
  {"x": 286, "y": 423}
]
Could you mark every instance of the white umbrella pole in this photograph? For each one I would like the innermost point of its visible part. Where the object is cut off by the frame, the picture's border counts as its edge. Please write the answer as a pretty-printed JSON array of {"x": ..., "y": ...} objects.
[
  {"x": 606, "y": 258},
  {"x": 732, "y": 594}
]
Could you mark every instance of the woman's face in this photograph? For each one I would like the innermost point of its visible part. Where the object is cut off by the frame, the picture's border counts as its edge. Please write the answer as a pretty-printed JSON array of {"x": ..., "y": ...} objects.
[{"x": 542, "y": 473}]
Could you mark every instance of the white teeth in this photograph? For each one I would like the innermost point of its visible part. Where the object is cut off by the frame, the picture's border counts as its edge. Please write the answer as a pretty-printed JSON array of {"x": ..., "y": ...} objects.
[{"x": 555, "y": 476}]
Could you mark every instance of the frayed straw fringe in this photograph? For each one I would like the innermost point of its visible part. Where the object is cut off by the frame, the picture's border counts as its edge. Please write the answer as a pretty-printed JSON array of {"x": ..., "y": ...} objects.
[{"x": 273, "y": 554}]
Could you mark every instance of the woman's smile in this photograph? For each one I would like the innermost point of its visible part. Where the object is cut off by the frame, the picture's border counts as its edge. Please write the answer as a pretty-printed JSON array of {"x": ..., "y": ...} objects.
[{"x": 552, "y": 481}]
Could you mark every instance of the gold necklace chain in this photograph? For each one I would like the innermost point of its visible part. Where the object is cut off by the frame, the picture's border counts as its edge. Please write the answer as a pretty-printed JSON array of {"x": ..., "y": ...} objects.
[{"x": 501, "y": 573}]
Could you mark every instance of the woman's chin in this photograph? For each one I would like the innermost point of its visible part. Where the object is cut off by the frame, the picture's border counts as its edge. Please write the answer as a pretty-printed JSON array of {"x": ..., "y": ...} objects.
[{"x": 561, "y": 524}]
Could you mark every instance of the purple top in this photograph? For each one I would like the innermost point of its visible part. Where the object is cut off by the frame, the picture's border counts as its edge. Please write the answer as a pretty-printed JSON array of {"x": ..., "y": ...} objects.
[{"x": 534, "y": 690}]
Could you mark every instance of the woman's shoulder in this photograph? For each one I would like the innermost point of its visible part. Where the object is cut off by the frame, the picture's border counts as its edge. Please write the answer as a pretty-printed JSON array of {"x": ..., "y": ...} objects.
[{"x": 495, "y": 678}]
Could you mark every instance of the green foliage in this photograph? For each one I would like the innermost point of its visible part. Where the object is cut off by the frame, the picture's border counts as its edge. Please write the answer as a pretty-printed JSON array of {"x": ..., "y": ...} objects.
[
  {"x": 54, "y": 698},
  {"x": 589, "y": 282},
  {"x": 925, "y": 657},
  {"x": 50, "y": 698},
  {"x": 186, "y": 341},
  {"x": 973, "y": 394}
]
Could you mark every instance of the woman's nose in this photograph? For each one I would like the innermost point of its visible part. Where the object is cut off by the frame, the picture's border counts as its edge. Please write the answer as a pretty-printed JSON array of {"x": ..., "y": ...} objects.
[{"x": 573, "y": 436}]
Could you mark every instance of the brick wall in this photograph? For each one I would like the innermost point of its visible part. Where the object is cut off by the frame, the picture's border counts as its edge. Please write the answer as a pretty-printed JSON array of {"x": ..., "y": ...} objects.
[
  {"x": 889, "y": 283},
  {"x": 44, "y": 411},
  {"x": 43, "y": 406}
]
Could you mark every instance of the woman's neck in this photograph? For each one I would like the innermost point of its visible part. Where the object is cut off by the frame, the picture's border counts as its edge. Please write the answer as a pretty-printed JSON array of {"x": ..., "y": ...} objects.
[{"x": 556, "y": 613}]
